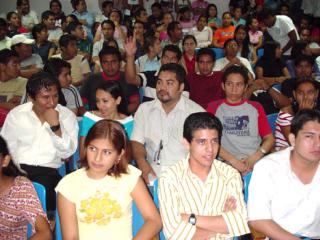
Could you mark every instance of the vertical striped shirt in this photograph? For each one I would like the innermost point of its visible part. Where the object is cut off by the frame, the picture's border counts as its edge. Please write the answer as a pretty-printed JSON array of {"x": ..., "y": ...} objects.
[{"x": 181, "y": 191}]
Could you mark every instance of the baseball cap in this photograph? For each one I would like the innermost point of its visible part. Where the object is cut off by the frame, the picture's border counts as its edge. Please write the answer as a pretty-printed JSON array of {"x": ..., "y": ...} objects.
[{"x": 21, "y": 38}]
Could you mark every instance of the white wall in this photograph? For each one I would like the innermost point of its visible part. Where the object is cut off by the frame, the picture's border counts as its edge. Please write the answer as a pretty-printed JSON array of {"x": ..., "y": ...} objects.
[{"x": 41, "y": 5}]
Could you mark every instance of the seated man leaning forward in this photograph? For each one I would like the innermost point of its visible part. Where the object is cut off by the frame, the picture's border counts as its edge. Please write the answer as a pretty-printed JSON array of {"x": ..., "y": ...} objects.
[
  {"x": 41, "y": 133},
  {"x": 201, "y": 197},
  {"x": 284, "y": 189}
]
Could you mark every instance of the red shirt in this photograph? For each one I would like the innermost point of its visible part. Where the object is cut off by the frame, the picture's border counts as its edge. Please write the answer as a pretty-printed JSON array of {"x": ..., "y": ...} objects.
[
  {"x": 204, "y": 89},
  {"x": 190, "y": 64}
]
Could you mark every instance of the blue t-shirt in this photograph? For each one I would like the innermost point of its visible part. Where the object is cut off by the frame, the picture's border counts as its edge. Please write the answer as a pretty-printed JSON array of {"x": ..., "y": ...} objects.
[{"x": 89, "y": 119}]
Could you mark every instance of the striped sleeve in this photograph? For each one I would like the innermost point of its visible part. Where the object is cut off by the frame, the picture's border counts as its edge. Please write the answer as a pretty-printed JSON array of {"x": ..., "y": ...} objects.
[
  {"x": 173, "y": 225},
  {"x": 236, "y": 220}
]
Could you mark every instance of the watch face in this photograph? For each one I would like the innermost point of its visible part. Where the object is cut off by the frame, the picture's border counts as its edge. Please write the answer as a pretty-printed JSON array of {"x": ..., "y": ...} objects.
[{"x": 192, "y": 219}]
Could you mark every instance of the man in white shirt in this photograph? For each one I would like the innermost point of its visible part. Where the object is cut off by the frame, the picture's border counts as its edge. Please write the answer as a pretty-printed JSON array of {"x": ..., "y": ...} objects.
[
  {"x": 281, "y": 29},
  {"x": 157, "y": 133},
  {"x": 201, "y": 197},
  {"x": 230, "y": 50},
  {"x": 41, "y": 133},
  {"x": 284, "y": 189},
  {"x": 29, "y": 17},
  {"x": 31, "y": 63}
]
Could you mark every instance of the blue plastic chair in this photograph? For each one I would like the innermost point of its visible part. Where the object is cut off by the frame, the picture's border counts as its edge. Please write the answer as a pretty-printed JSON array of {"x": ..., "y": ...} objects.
[
  {"x": 41, "y": 191},
  {"x": 260, "y": 52},
  {"x": 58, "y": 233},
  {"x": 246, "y": 181},
  {"x": 219, "y": 52},
  {"x": 272, "y": 118},
  {"x": 137, "y": 219}
]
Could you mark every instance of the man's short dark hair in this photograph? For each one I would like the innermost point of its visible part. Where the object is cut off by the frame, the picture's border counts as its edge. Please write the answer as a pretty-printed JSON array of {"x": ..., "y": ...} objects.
[
  {"x": 265, "y": 13},
  {"x": 198, "y": 121},
  {"x": 19, "y": 2},
  {"x": 302, "y": 117},
  {"x": 236, "y": 69},
  {"x": 39, "y": 81},
  {"x": 66, "y": 39},
  {"x": 157, "y": 5},
  {"x": 46, "y": 14},
  {"x": 171, "y": 27},
  {"x": 54, "y": 66},
  {"x": 108, "y": 50},
  {"x": 55, "y": 1},
  {"x": 139, "y": 11},
  {"x": 149, "y": 42},
  {"x": 304, "y": 58},
  {"x": 206, "y": 51},
  {"x": 172, "y": 48},
  {"x": 37, "y": 29},
  {"x": 227, "y": 42},
  {"x": 106, "y": 3},
  {"x": 10, "y": 14},
  {"x": 72, "y": 26},
  {"x": 174, "y": 68},
  {"x": 111, "y": 23},
  {"x": 6, "y": 55},
  {"x": 3, "y": 23}
]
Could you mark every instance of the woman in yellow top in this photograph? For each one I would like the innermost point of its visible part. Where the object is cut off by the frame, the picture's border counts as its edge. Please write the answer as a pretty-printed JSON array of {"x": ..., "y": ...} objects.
[{"x": 95, "y": 201}]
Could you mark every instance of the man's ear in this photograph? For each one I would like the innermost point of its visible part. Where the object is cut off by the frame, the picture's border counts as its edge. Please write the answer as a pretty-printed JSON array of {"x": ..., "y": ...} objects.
[
  {"x": 181, "y": 87},
  {"x": 186, "y": 144},
  {"x": 222, "y": 86},
  {"x": 292, "y": 139}
]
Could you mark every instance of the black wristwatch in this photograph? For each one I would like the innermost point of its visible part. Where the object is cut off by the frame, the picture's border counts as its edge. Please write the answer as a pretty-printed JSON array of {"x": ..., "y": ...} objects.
[
  {"x": 192, "y": 219},
  {"x": 55, "y": 128}
]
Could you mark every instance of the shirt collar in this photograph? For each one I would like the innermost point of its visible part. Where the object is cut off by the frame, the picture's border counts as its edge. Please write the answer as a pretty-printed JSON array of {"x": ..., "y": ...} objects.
[
  {"x": 107, "y": 78},
  {"x": 179, "y": 106},
  {"x": 187, "y": 171}
]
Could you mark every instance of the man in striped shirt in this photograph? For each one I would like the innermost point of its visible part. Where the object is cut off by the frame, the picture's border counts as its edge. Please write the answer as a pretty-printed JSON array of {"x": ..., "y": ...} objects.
[{"x": 201, "y": 197}]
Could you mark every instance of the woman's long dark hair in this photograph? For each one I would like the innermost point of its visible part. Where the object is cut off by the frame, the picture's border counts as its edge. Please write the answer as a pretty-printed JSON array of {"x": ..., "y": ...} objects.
[
  {"x": 246, "y": 42},
  {"x": 11, "y": 170}
]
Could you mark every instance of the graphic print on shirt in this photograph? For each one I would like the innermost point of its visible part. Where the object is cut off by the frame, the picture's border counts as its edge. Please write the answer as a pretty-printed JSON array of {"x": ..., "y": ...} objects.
[
  {"x": 99, "y": 209},
  {"x": 236, "y": 125}
]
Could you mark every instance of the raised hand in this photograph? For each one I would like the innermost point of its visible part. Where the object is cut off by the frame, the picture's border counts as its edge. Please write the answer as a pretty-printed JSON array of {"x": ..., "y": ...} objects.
[{"x": 130, "y": 46}]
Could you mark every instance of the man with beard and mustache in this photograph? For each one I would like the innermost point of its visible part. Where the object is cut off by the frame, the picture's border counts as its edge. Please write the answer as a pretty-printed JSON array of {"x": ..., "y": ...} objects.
[{"x": 157, "y": 134}]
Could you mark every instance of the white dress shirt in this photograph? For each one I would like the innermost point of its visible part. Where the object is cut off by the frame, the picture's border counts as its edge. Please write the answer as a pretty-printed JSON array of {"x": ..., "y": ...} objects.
[
  {"x": 33, "y": 143},
  {"x": 154, "y": 127},
  {"x": 30, "y": 19},
  {"x": 275, "y": 192},
  {"x": 204, "y": 37},
  {"x": 222, "y": 62}
]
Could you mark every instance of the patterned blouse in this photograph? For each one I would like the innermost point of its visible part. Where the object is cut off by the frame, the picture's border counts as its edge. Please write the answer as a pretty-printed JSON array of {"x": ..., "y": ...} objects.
[{"x": 19, "y": 205}]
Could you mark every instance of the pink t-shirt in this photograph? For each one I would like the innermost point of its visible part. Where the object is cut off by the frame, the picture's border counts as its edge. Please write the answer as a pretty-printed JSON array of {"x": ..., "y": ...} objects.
[
  {"x": 254, "y": 36},
  {"x": 19, "y": 206}
]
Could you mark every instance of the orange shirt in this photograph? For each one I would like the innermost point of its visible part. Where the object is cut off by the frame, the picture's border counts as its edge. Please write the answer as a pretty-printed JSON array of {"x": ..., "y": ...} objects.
[{"x": 222, "y": 34}]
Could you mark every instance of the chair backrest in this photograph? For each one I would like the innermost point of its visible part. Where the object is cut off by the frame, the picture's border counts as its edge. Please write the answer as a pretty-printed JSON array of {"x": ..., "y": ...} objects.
[
  {"x": 260, "y": 52},
  {"x": 137, "y": 219},
  {"x": 246, "y": 181},
  {"x": 58, "y": 233},
  {"x": 272, "y": 118},
  {"x": 41, "y": 192},
  {"x": 219, "y": 52}
]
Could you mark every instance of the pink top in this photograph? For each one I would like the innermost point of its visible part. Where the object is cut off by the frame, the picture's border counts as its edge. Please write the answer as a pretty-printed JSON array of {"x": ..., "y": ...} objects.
[
  {"x": 19, "y": 205},
  {"x": 163, "y": 35},
  {"x": 284, "y": 119},
  {"x": 254, "y": 36}
]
